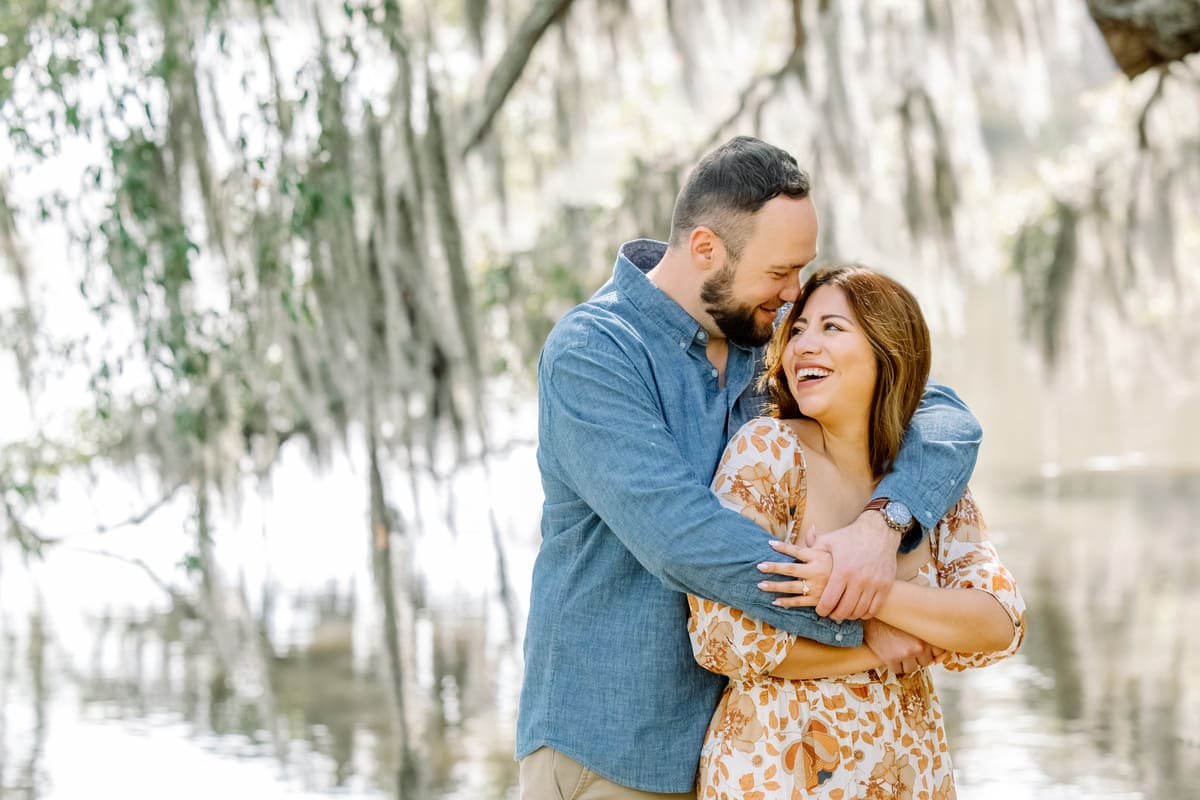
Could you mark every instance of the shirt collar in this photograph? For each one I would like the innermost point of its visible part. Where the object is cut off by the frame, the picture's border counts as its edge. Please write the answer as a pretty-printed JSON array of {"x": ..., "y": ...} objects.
[{"x": 634, "y": 260}]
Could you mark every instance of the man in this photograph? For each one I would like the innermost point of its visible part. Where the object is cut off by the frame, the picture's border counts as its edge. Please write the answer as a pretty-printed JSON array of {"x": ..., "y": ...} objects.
[{"x": 639, "y": 390}]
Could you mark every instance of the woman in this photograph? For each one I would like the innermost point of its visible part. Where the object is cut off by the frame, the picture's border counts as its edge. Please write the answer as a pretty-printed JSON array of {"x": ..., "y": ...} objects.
[{"x": 845, "y": 373}]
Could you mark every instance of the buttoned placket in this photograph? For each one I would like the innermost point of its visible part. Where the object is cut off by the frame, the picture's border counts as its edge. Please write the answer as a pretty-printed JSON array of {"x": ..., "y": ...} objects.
[{"x": 700, "y": 352}]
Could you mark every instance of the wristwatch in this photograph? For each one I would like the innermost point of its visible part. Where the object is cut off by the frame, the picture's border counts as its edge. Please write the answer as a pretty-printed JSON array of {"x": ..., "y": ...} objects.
[{"x": 895, "y": 514}]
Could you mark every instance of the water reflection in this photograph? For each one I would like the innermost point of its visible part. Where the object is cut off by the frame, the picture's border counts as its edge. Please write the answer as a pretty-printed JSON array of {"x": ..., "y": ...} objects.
[
  {"x": 1104, "y": 696},
  {"x": 23, "y": 736},
  {"x": 1103, "y": 701}
]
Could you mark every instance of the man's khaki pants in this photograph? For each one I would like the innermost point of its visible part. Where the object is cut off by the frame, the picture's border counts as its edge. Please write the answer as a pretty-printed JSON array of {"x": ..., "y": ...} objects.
[{"x": 549, "y": 775}]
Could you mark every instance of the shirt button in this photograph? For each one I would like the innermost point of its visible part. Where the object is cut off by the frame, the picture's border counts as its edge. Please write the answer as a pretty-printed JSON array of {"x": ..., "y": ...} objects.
[
  {"x": 714, "y": 373},
  {"x": 837, "y": 638},
  {"x": 702, "y": 336}
]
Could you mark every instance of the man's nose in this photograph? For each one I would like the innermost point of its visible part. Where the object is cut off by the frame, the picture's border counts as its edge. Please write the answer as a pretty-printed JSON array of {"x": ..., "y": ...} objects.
[{"x": 791, "y": 290}]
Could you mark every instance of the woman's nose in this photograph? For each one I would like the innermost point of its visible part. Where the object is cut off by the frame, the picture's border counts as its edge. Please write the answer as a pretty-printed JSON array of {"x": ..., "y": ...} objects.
[{"x": 804, "y": 342}]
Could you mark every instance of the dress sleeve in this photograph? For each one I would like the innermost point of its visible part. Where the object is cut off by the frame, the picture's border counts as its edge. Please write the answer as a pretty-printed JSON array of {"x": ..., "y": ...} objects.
[
  {"x": 966, "y": 559},
  {"x": 761, "y": 476}
]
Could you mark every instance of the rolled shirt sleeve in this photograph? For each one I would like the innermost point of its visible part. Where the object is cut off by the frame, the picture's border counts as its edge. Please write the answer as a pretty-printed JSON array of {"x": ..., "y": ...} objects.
[
  {"x": 600, "y": 408},
  {"x": 935, "y": 460}
]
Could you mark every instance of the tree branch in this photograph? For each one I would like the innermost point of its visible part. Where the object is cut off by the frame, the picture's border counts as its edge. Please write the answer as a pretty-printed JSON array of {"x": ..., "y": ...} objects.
[
  {"x": 510, "y": 66},
  {"x": 33, "y": 541},
  {"x": 182, "y": 602},
  {"x": 492, "y": 451},
  {"x": 139, "y": 518},
  {"x": 772, "y": 80},
  {"x": 1143, "y": 118}
]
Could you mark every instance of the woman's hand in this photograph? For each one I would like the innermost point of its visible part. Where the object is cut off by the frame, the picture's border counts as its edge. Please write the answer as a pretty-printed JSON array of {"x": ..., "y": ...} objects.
[
  {"x": 900, "y": 652},
  {"x": 808, "y": 574}
]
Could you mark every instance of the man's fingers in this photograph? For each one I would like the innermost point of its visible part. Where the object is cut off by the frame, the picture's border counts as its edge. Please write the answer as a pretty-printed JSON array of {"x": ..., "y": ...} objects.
[
  {"x": 863, "y": 607},
  {"x": 876, "y": 604},
  {"x": 845, "y": 607},
  {"x": 853, "y": 604},
  {"x": 832, "y": 595}
]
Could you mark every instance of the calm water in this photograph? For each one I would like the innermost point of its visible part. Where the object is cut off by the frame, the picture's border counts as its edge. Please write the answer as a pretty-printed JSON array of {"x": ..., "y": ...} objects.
[{"x": 105, "y": 693}]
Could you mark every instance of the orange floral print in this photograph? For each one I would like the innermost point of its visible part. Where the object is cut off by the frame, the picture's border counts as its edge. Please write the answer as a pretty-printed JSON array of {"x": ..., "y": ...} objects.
[{"x": 870, "y": 735}]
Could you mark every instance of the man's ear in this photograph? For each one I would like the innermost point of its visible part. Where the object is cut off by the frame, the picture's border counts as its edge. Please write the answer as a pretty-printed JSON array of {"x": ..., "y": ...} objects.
[{"x": 706, "y": 249}]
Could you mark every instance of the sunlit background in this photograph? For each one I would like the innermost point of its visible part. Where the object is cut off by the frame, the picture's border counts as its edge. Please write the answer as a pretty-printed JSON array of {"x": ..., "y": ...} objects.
[{"x": 273, "y": 280}]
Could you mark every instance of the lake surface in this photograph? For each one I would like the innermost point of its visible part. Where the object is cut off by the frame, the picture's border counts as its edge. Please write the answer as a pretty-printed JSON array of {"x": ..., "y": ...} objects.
[{"x": 105, "y": 690}]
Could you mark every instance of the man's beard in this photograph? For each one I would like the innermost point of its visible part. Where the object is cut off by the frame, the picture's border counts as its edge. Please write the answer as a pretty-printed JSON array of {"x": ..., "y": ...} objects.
[{"x": 739, "y": 323}]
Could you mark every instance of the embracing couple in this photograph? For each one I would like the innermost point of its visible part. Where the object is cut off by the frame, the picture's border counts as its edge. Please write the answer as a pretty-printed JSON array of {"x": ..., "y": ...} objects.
[{"x": 757, "y": 535}]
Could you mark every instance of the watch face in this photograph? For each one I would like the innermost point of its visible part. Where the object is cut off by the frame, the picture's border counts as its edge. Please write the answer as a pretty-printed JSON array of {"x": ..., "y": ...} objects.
[{"x": 898, "y": 514}]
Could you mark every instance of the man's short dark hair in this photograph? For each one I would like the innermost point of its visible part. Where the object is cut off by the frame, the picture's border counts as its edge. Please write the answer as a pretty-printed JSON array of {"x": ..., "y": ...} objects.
[{"x": 729, "y": 185}]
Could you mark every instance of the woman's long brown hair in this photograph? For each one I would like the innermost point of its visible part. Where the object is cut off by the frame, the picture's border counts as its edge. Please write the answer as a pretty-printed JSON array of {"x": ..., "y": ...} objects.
[{"x": 893, "y": 323}]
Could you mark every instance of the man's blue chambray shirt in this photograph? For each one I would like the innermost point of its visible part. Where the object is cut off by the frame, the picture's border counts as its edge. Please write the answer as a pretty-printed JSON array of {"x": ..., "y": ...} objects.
[{"x": 632, "y": 423}]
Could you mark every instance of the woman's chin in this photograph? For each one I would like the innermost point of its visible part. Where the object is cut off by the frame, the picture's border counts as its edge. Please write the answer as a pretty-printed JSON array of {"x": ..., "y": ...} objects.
[{"x": 811, "y": 410}]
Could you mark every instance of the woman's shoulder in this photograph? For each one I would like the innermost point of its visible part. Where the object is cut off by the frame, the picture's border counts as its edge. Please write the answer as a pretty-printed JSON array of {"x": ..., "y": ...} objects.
[
  {"x": 768, "y": 437},
  {"x": 802, "y": 430},
  {"x": 769, "y": 429}
]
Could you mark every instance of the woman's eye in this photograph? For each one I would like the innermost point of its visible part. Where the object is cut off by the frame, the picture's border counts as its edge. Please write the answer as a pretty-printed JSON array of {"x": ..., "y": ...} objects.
[
  {"x": 832, "y": 326},
  {"x": 797, "y": 330}
]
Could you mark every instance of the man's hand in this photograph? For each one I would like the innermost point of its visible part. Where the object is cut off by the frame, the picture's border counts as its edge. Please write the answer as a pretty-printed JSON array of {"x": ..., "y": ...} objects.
[
  {"x": 901, "y": 652},
  {"x": 864, "y": 567}
]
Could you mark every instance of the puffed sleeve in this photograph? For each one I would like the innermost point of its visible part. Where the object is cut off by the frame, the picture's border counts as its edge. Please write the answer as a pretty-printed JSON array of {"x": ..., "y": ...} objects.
[
  {"x": 966, "y": 559},
  {"x": 761, "y": 476}
]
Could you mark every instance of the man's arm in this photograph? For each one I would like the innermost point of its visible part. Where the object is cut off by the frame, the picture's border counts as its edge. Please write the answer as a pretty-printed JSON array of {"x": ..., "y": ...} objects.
[
  {"x": 929, "y": 475},
  {"x": 935, "y": 461},
  {"x": 603, "y": 431}
]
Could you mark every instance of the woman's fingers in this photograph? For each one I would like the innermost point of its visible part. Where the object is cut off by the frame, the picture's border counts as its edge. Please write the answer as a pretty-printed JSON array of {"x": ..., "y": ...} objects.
[
  {"x": 808, "y": 576},
  {"x": 802, "y": 553},
  {"x": 795, "y": 569},
  {"x": 796, "y": 594}
]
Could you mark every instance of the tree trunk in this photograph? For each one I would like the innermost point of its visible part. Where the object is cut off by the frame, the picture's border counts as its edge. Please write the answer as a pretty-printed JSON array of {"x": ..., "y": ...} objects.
[
  {"x": 1143, "y": 34},
  {"x": 407, "y": 776}
]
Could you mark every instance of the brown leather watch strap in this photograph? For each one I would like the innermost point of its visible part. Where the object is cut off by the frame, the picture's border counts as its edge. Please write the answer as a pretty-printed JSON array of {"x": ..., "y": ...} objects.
[{"x": 879, "y": 504}]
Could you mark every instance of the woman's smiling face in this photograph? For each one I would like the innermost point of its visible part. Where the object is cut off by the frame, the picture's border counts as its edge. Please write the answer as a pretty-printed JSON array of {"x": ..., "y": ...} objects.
[{"x": 829, "y": 361}]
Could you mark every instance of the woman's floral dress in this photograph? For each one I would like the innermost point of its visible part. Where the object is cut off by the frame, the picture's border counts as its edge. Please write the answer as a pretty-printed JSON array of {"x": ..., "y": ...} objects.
[{"x": 872, "y": 734}]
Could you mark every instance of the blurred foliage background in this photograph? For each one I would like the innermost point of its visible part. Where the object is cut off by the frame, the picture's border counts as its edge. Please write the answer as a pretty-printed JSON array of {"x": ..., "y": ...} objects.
[{"x": 239, "y": 233}]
